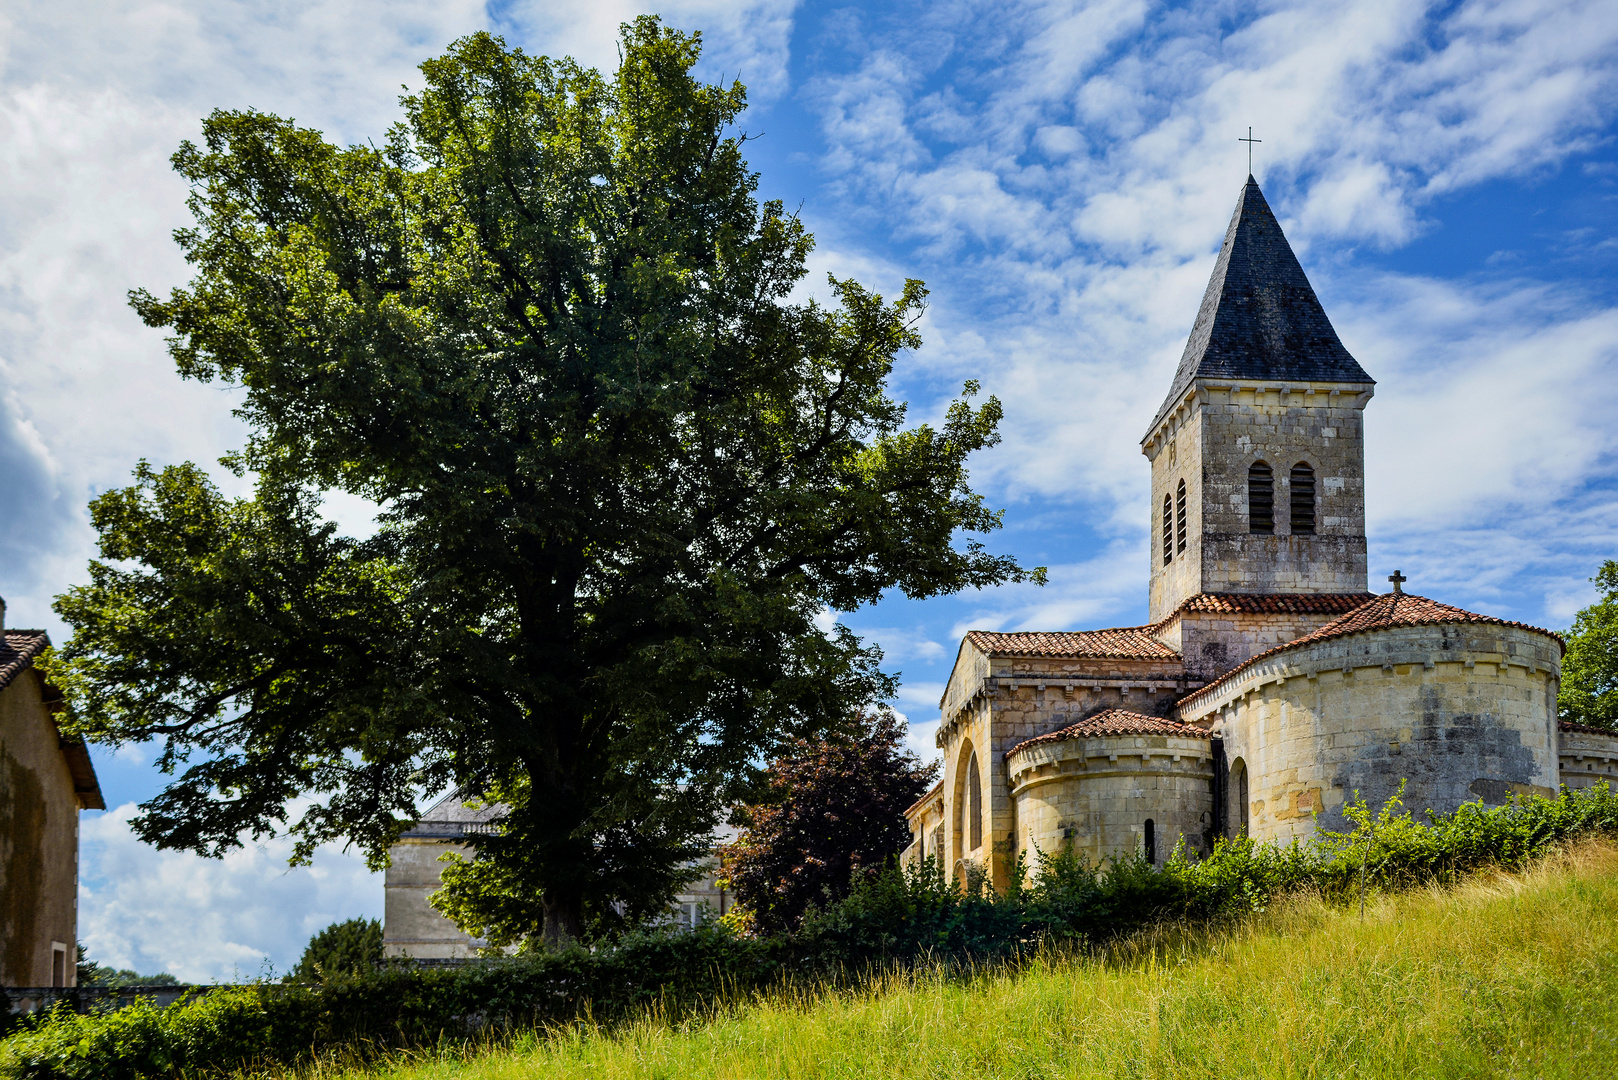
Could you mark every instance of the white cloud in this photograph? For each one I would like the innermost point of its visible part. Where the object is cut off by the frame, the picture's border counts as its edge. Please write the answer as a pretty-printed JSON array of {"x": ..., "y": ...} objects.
[{"x": 210, "y": 920}]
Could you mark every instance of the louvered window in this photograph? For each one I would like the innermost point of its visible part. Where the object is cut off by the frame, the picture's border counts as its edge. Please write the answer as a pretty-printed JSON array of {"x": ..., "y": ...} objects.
[
  {"x": 1260, "y": 498},
  {"x": 1179, "y": 518},
  {"x": 1303, "y": 500},
  {"x": 1168, "y": 530}
]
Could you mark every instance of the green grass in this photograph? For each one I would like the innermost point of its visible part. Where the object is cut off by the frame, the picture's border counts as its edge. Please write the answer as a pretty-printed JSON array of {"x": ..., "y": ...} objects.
[{"x": 1506, "y": 975}]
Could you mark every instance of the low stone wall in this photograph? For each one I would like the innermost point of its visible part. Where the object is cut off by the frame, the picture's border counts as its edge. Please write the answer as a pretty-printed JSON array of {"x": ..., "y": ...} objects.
[{"x": 1098, "y": 792}]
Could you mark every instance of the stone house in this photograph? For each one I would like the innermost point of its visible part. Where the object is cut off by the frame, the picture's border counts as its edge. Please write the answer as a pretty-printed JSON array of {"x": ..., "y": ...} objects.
[
  {"x": 45, "y": 780},
  {"x": 412, "y": 927},
  {"x": 1270, "y": 684}
]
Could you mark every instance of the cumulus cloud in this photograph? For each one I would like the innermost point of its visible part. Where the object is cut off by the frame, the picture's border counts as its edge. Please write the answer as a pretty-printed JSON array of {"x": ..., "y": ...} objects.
[{"x": 210, "y": 920}]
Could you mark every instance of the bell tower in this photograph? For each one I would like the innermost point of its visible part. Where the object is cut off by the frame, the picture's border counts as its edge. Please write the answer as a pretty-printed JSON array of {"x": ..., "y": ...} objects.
[{"x": 1258, "y": 452}]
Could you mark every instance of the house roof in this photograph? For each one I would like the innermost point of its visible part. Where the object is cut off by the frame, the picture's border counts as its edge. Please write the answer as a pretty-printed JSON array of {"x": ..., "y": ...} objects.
[
  {"x": 18, "y": 651},
  {"x": 1273, "y": 603},
  {"x": 1383, "y": 612},
  {"x": 1114, "y": 722},
  {"x": 1260, "y": 318},
  {"x": 18, "y": 648},
  {"x": 1585, "y": 729},
  {"x": 1119, "y": 643}
]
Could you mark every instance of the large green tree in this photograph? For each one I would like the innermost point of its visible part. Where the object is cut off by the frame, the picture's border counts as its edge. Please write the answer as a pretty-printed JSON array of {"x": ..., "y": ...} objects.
[
  {"x": 547, "y": 327},
  {"x": 1589, "y": 693}
]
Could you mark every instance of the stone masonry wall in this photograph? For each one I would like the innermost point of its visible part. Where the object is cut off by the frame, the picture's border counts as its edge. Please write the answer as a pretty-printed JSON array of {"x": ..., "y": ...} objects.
[
  {"x": 1211, "y": 643},
  {"x": 1459, "y": 711},
  {"x": 1211, "y": 442},
  {"x": 1587, "y": 759},
  {"x": 1014, "y": 699},
  {"x": 1098, "y": 793}
]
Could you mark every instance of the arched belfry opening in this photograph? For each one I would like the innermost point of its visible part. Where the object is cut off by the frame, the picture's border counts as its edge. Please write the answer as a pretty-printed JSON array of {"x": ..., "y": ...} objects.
[
  {"x": 1260, "y": 498},
  {"x": 1302, "y": 499}
]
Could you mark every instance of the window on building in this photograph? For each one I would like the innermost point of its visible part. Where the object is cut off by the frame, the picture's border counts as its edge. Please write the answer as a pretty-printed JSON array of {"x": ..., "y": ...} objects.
[
  {"x": 1168, "y": 530},
  {"x": 1303, "y": 499},
  {"x": 1260, "y": 499},
  {"x": 1238, "y": 791},
  {"x": 58, "y": 964},
  {"x": 1151, "y": 841},
  {"x": 974, "y": 805},
  {"x": 1179, "y": 518}
]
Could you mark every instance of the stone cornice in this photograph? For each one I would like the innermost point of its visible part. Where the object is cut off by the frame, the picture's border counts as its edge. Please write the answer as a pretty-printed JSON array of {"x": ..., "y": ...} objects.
[{"x": 1329, "y": 395}]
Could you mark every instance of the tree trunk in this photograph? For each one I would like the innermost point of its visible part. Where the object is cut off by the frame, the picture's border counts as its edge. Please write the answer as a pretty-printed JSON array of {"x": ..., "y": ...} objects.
[{"x": 562, "y": 925}]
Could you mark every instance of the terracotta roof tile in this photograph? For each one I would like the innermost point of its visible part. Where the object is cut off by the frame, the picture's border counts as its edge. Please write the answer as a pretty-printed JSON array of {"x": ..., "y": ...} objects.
[
  {"x": 1114, "y": 722},
  {"x": 1382, "y": 612},
  {"x": 17, "y": 651},
  {"x": 1275, "y": 604},
  {"x": 1584, "y": 729},
  {"x": 932, "y": 793},
  {"x": 1121, "y": 643}
]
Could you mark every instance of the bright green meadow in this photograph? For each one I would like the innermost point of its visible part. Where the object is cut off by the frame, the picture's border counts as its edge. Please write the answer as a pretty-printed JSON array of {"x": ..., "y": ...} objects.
[{"x": 1505, "y": 975}]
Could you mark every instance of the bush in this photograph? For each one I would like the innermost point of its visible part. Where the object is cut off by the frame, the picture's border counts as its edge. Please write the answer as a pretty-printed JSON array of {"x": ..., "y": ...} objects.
[{"x": 910, "y": 916}]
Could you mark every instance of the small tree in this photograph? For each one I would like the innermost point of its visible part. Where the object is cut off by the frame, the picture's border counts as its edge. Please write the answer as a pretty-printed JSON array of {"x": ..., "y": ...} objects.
[
  {"x": 1589, "y": 692},
  {"x": 343, "y": 948},
  {"x": 834, "y": 812}
]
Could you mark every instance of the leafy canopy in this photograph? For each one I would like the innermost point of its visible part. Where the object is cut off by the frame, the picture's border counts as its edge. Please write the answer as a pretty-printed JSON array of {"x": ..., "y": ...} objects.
[
  {"x": 352, "y": 947},
  {"x": 1589, "y": 693},
  {"x": 547, "y": 328}
]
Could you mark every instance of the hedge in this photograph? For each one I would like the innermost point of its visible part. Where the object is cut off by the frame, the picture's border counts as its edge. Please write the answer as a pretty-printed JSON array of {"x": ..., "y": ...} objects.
[{"x": 901, "y": 917}]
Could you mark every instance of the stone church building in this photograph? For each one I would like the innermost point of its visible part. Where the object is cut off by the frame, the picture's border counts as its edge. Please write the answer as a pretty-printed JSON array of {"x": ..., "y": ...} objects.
[{"x": 1270, "y": 684}]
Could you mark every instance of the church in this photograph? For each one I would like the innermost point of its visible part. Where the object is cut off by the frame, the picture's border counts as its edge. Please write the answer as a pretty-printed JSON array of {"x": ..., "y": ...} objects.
[{"x": 1270, "y": 684}]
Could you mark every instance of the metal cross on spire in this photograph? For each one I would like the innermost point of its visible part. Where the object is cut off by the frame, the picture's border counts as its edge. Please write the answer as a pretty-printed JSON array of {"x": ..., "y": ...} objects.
[
  {"x": 1249, "y": 141},
  {"x": 1398, "y": 578}
]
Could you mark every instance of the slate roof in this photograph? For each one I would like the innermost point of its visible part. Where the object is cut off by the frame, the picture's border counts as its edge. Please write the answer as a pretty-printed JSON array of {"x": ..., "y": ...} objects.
[
  {"x": 1114, "y": 722},
  {"x": 1260, "y": 318},
  {"x": 18, "y": 648},
  {"x": 1381, "y": 613},
  {"x": 1120, "y": 643}
]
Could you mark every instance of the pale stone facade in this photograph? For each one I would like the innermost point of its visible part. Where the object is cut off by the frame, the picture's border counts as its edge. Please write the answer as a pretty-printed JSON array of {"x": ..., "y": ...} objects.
[
  {"x": 1270, "y": 685},
  {"x": 45, "y": 781},
  {"x": 412, "y": 927}
]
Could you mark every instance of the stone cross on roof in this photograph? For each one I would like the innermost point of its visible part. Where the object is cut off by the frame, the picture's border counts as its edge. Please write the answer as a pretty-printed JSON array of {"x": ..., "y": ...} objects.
[{"x": 1398, "y": 578}]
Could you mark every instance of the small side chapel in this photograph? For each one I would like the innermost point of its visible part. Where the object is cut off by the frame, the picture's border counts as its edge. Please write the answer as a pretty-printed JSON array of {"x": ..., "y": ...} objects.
[{"x": 1270, "y": 684}]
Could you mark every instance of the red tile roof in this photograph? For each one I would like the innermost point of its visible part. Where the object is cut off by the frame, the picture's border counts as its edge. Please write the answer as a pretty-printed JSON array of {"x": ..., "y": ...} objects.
[
  {"x": 17, "y": 651},
  {"x": 1275, "y": 604},
  {"x": 932, "y": 793},
  {"x": 1114, "y": 722},
  {"x": 1381, "y": 613},
  {"x": 1585, "y": 729},
  {"x": 1122, "y": 643}
]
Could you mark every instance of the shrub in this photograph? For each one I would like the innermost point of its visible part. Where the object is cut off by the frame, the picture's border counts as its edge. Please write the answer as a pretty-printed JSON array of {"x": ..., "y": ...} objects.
[{"x": 902, "y": 916}]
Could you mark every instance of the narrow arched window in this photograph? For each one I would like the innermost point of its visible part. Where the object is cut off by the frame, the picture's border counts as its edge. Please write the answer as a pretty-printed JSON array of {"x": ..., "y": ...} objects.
[
  {"x": 1303, "y": 499},
  {"x": 1151, "y": 841},
  {"x": 1179, "y": 518},
  {"x": 974, "y": 805},
  {"x": 1168, "y": 530},
  {"x": 1260, "y": 498}
]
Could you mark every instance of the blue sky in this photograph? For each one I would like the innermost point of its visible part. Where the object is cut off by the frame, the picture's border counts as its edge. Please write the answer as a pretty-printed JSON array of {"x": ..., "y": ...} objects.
[{"x": 1060, "y": 174}]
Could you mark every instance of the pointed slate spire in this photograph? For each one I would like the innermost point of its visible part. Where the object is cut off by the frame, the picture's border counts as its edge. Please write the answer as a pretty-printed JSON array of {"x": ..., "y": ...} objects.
[{"x": 1260, "y": 318}]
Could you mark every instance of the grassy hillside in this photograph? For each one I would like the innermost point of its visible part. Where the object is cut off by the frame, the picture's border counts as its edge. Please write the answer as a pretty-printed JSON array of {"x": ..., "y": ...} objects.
[{"x": 1503, "y": 976}]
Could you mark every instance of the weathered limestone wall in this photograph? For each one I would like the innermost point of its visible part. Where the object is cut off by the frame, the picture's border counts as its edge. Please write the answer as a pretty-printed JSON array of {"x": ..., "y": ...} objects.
[
  {"x": 411, "y": 926},
  {"x": 1588, "y": 758},
  {"x": 39, "y": 843},
  {"x": 1228, "y": 430},
  {"x": 1097, "y": 794},
  {"x": 1014, "y": 699},
  {"x": 1460, "y": 711},
  {"x": 926, "y": 819},
  {"x": 1212, "y": 643},
  {"x": 1179, "y": 457}
]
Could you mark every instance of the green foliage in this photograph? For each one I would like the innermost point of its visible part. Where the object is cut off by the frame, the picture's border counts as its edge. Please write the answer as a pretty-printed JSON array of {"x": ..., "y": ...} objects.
[
  {"x": 547, "y": 328},
  {"x": 833, "y": 813},
  {"x": 1589, "y": 693},
  {"x": 342, "y": 949},
  {"x": 905, "y": 918},
  {"x": 91, "y": 973}
]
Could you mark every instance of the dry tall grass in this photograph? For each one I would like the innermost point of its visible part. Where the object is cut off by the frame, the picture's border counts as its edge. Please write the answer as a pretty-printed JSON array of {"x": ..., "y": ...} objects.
[{"x": 1507, "y": 975}]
